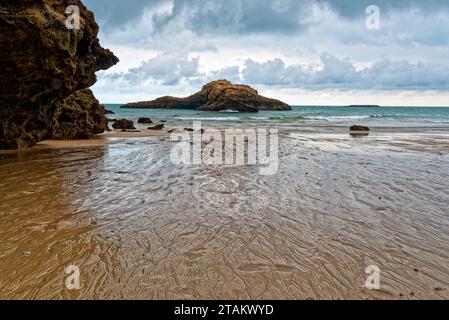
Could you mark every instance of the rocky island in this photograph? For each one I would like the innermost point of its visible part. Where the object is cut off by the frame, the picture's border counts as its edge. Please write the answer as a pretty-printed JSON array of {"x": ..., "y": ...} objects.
[
  {"x": 46, "y": 70},
  {"x": 218, "y": 95}
]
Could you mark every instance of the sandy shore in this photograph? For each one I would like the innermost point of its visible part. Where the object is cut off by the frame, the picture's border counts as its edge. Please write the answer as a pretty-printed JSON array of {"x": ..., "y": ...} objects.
[
  {"x": 99, "y": 140},
  {"x": 140, "y": 227}
]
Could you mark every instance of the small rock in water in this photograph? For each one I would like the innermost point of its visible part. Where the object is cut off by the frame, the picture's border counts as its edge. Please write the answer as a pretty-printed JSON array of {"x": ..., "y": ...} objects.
[
  {"x": 145, "y": 120},
  {"x": 124, "y": 124},
  {"x": 359, "y": 128},
  {"x": 157, "y": 127}
]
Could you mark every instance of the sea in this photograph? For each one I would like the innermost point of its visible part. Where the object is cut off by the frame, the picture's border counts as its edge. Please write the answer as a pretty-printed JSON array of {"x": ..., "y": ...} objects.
[{"x": 300, "y": 116}]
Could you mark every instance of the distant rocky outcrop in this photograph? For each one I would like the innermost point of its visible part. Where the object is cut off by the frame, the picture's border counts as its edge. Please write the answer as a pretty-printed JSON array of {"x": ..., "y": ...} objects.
[
  {"x": 216, "y": 96},
  {"x": 45, "y": 68}
]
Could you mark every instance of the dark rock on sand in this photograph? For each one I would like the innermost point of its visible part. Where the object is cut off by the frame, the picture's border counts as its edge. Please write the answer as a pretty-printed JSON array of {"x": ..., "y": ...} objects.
[
  {"x": 44, "y": 65},
  {"x": 359, "y": 128},
  {"x": 217, "y": 96},
  {"x": 145, "y": 120},
  {"x": 357, "y": 131},
  {"x": 157, "y": 127},
  {"x": 191, "y": 130},
  {"x": 123, "y": 124}
]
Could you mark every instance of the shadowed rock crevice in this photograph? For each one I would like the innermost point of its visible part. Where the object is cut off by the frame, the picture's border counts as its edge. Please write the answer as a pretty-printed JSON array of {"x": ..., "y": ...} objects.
[
  {"x": 79, "y": 116},
  {"x": 45, "y": 68},
  {"x": 217, "y": 96}
]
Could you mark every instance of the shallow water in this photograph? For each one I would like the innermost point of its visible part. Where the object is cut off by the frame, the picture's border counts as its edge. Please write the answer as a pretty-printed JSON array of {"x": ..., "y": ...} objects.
[
  {"x": 300, "y": 116},
  {"x": 139, "y": 226}
]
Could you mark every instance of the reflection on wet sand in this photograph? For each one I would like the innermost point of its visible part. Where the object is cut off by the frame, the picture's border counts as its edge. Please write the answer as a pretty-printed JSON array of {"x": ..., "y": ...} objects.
[{"x": 139, "y": 226}]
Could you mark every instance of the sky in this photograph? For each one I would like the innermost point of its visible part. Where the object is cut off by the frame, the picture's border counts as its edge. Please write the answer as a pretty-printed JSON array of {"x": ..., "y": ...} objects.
[{"x": 304, "y": 52}]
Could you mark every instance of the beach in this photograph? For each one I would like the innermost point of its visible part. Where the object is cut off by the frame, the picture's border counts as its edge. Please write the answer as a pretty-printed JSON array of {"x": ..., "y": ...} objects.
[{"x": 139, "y": 226}]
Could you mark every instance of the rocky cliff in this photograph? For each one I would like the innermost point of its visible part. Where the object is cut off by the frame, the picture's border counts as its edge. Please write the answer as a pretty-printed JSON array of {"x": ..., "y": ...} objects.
[
  {"x": 217, "y": 96},
  {"x": 45, "y": 69}
]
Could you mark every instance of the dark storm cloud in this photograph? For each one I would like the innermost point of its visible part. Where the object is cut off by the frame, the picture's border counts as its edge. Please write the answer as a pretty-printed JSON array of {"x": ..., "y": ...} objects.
[
  {"x": 250, "y": 16},
  {"x": 236, "y": 16},
  {"x": 111, "y": 13},
  {"x": 354, "y": 8}
]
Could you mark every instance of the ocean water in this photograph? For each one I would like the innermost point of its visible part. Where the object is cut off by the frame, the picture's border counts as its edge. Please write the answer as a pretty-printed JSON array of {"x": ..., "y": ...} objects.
[{"x": 437, "y": 117}]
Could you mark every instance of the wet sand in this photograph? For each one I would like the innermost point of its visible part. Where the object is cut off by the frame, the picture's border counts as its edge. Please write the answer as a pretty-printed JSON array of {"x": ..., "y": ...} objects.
[{"x": 140, "y": 227}]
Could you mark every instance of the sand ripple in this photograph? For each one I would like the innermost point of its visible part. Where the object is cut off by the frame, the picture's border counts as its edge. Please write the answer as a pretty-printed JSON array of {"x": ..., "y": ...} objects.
[{"x": 140, "y": 227}]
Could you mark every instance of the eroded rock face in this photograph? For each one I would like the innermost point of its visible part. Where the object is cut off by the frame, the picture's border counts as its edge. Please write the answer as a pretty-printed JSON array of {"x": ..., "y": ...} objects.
[
  {"x": 217, "y": 96},
  {"x": 79, "y": 116},
  {"x": 44, "y": 66}
]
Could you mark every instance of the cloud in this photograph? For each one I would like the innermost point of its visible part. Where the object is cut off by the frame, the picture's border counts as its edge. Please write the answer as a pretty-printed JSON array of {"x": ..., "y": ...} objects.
[
  {"x": 230, "y": 73},
  {"x": 330, "y": 73},
  {"x": 167, "y": 45},
  {"x": 337, "y": 73},
  {"x": 352, "y": 9},
  {"x": 273, "y": 16},
  {"x": 116, "y": 13},
  {"x": 167, "y": 69}
]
